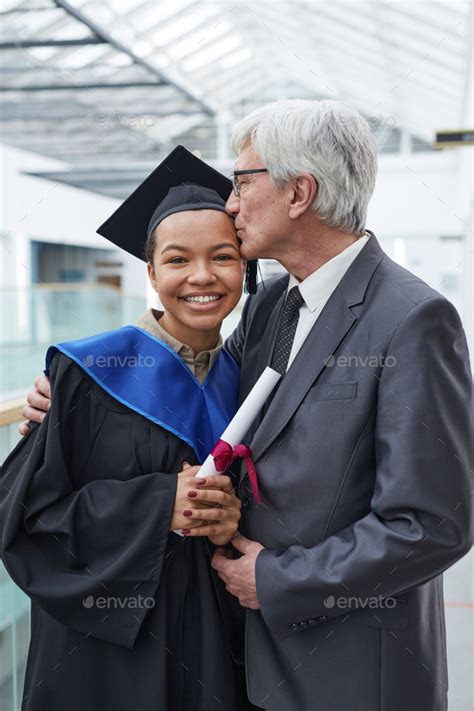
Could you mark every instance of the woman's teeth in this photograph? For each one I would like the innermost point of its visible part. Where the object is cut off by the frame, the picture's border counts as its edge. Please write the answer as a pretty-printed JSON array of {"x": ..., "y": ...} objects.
[{"x": 201, "y": 299}]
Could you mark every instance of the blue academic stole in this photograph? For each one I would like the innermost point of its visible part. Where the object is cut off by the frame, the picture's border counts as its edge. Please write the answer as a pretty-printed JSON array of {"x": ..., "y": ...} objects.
[{"x": 146, "y": 375}]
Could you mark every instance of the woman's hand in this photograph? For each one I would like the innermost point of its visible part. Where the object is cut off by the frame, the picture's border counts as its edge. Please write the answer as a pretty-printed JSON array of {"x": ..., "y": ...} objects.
[
  {"x": 186, "y": 482},
  {"x": 222, "y": 520},
  {"x": 205, "y": 507},
  {"x": 188, "y": 499}
]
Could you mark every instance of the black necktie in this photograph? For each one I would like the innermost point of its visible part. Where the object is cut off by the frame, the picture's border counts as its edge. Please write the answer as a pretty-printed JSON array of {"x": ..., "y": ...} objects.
[{"x": 286, "y": 330}]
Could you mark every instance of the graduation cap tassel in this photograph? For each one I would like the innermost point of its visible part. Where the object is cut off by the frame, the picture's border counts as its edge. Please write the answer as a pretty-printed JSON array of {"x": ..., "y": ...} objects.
[
  {"x": 251, "y": 277},
  {"x": 261, "y": 275}
]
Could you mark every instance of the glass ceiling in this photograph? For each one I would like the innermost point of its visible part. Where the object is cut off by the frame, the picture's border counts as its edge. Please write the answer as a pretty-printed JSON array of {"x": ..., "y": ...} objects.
[{"x": 108, "y": 87}]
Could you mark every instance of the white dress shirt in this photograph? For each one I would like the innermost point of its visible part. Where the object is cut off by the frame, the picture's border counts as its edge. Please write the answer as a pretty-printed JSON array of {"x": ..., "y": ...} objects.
[{"x": 318, "y": 287}]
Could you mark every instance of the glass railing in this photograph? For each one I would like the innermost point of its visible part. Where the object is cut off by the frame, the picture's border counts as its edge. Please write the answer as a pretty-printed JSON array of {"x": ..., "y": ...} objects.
[
  {"x": 33, "y": 318},
  {"x": 14, "y": 640},
  {"x": 14, "y": 604}
]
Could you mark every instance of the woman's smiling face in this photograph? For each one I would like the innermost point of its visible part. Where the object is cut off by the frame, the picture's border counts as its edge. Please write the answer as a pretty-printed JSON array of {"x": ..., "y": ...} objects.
[{"x": 197, "y": 272}]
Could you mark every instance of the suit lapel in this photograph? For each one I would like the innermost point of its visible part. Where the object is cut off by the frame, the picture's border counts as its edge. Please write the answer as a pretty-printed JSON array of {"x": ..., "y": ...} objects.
[
  {"x": 323, "y": 339},
  {"x": 327, "y": 333},
  {"x": 268, "y": 330}
]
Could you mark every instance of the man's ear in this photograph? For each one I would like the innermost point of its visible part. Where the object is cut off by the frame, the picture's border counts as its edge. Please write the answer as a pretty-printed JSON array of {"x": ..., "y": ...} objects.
[
  {"x": 305, "y": 189},
  {"x": 152, "y": 276}
]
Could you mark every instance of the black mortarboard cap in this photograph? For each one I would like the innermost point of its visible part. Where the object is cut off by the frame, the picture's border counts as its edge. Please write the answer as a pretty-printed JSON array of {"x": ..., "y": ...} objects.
[{"x": 181, "y": 182}]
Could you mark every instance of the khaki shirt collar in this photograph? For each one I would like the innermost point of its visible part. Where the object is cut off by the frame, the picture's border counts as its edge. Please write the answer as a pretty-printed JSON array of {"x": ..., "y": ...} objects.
[{"x": 199, "y": 365}]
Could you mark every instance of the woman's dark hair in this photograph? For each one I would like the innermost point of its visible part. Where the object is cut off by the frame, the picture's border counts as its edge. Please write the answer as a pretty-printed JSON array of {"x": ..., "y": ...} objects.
[{"x": 150, "y": 246}]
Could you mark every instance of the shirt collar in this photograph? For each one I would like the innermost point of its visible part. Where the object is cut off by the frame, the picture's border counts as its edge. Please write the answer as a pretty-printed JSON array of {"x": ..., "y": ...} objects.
[
  {"x": 318, "y": 286},
  {"x": 149, "y": 321}
]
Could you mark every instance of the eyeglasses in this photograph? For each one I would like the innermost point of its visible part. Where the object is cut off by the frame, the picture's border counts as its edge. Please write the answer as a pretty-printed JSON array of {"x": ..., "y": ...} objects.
[{"x": 236, "y": 184}]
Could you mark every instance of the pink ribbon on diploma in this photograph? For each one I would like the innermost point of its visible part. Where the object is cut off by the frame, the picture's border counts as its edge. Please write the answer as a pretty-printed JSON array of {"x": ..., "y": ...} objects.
[{"x": 224, "y": 454}]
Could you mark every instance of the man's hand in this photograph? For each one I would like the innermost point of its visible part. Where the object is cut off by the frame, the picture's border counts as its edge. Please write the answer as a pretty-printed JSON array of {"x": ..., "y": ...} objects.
[
  {"x": 38, "y": 402},
  {"x": 239, "y": 575}
]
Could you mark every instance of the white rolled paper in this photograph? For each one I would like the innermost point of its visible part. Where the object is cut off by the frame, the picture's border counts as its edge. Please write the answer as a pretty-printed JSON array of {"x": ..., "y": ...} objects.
[
  {"x": 243, "y": 418},
  {"x": 245, "y": 415}
]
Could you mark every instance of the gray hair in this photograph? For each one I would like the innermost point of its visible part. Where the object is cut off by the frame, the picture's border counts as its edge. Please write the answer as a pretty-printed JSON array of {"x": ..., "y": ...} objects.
[{"x": 328, "y": 139}]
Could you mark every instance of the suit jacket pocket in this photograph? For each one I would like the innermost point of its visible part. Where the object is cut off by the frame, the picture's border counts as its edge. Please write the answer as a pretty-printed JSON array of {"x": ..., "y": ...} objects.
[
  {"x": 390, "y": 618},
  {"x": 330, "y": 391}
]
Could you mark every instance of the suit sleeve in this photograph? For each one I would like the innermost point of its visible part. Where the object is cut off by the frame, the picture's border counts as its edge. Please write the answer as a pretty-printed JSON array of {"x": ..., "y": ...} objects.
[
  {"x": 419, "y": 521},
  {"x": 236, "y": 342},
  {"x": 66, "y": 546}
]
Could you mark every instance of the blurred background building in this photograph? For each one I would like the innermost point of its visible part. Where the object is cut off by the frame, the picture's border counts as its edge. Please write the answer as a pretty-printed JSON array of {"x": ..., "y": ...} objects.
[{"x": 94, "y": 93}]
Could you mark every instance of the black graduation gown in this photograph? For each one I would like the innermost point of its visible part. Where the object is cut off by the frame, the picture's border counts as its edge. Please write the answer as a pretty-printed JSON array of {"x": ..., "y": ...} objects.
[{"x": 125, "y": 615}]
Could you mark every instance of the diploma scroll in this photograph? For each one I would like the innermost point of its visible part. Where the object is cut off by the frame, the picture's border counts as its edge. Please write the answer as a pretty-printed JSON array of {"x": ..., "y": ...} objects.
[
  {"x": 240, "y": 424},
  {"x": 243, "y": 418}
]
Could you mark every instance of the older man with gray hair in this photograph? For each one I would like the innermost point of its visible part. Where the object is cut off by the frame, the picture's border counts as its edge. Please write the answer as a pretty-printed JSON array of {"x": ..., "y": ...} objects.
[{"x": 364, "y": 453}]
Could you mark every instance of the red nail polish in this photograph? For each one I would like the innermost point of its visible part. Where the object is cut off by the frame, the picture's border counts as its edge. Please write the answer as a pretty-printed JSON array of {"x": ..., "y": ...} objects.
[
  {"x": 201, "y": 482},
  {"x": 185, "y": 531},
  {"x": 187, "y": 512},
  {"x": 192, "y": 494}
]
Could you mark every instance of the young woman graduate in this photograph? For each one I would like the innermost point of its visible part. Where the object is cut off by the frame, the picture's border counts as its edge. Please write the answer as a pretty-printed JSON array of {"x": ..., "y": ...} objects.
[{"x": 125, "y": 613}]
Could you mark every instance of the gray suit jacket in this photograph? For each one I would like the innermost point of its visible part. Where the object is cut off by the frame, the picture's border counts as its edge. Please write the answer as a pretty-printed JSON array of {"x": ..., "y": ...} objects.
[{"x": 364, "y": 459}]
